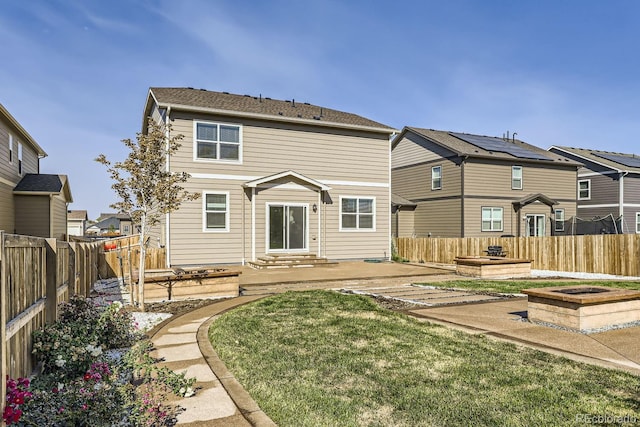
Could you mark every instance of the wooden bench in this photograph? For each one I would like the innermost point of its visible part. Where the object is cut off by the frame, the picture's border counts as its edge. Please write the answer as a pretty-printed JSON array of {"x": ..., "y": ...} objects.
[{"x": 495, "y": 251}]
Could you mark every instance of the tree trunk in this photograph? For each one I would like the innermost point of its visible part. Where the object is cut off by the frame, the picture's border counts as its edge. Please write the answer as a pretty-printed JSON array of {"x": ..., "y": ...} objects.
[{"x": 143, "y": 257}]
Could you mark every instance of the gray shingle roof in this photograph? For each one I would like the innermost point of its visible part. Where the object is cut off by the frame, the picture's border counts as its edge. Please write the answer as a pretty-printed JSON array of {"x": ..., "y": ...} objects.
[
  {"x": 259, "y": 106},
  {"x": 592, "y": 155},
  {"x": 42, "y": 183},
  {"x": 463, "y": 148}
]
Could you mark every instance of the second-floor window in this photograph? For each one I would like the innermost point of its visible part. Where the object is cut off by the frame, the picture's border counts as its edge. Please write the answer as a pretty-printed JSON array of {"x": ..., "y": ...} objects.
[
  {"x": 20, "y": 158},
  {"x": 516, "y": 177},
  {"x": 436, "y": 177},
  {"x": 217, "y": 141},
  {"x": 584, "y": 189},
  {"x": 10, "y": 148}
]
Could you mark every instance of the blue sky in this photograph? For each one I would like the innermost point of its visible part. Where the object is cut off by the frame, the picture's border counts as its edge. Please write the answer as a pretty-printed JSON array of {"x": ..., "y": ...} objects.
[{"x": 75, "y": 74}]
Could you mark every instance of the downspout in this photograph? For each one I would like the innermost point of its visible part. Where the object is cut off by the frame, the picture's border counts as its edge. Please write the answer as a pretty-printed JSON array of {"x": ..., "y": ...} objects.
[
  {"x": 621, "y": 194},
  {"x": 389, "y": 235},
  {"x": 462, "y": 212},
  {"x": 244, "y": 232},
  {"x": 167, "y": 237},
  {"x": 320, "y": 222},
  {"x": 253, "y": 223}
]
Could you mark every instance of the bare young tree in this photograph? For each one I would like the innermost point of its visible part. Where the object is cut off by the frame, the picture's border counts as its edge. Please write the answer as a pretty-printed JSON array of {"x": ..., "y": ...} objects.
[{"x": 146, "y": 188}]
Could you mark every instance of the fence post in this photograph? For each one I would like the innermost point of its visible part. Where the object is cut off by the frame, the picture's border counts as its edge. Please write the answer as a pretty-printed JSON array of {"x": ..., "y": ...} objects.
[
  {"x": 51, "y": 273},
  {"x": 73, "y": 283},
  {"x": 3, "y": 322}
]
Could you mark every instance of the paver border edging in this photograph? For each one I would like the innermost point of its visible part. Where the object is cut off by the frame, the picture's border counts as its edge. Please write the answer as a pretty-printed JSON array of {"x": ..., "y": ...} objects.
[{"x": 245, "y": 403}]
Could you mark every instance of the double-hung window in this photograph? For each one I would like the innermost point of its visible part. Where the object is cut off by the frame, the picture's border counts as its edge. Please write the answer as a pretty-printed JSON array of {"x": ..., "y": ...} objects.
[
  {"x": 436, "y": 178},
  {"x": 584, "y": 189},
  {"x": 10, "y": 148},
  {"x": 216, "y": 211},
  {"x": 559, "y": 220},
  {"x": 637, "y": 222},
  {"x": 492, "y": 219},
  {"x": 516, "y": 177},
  {"x": 357, "y": 213},
  {"x": 217, "y": 141}
]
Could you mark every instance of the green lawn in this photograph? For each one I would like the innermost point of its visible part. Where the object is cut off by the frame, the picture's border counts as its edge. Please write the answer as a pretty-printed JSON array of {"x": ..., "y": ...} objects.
[
  {"x": 515, "y": 286},
  {"x": 320, "y": 358}
]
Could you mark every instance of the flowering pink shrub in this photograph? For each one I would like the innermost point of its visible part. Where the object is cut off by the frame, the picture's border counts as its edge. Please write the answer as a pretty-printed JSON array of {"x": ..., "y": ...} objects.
[{"x": 17, "y": 394}]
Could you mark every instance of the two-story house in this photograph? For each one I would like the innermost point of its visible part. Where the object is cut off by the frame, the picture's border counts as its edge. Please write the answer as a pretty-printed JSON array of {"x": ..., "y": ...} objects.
[
  {"x": 608, "y": 190},
  {"x": 111, "y": 224},
  {"x": 276, "y": 177},
  {"x": 30, "y": 203},
  {"x": 466, "y": 185}
]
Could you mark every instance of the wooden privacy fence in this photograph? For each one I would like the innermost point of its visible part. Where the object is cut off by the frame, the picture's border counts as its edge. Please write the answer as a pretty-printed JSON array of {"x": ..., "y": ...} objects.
[
  {"x": 37, "y": 274},
  {"x": 120, "y": 257},
  {"x": 617, "y": 254}
]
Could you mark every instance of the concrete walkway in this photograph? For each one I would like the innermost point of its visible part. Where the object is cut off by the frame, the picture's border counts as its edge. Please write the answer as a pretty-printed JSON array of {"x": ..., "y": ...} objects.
[{"x": 221, "y": 401}]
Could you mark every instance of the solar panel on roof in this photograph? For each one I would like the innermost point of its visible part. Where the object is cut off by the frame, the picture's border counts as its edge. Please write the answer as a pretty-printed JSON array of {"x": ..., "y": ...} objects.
[
  {"x": 499, "y": 145},
  {"x": 632, "y": 162}
]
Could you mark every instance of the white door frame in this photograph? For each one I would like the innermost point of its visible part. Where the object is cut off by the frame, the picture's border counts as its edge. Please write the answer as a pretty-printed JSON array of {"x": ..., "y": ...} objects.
[
  {"x": 537, "y": 220},
  {"x": 267, "y": 217}
]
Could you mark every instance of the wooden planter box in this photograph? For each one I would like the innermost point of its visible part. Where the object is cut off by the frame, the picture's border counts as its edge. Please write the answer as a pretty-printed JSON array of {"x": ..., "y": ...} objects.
[
  {"x": 493, "y": 267},
  {"x": 194, "y": 283}
]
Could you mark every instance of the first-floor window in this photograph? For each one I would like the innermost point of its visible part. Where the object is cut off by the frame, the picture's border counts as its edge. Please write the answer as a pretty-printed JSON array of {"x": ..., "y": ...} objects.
[
  {"x": 638, "y": 222},
  {"x": 492, "y": 219},
  {"x": 559, "y": 220},
  {"x": 357, "y": 213},
  {"x": 216, "y": 211}
]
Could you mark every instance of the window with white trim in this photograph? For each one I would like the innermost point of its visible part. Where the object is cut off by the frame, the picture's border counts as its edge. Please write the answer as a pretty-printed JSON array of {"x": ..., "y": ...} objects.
[
  {"x": 436, "y": 178},
  {"x": 215, "y": 211},
  {"x": 584, "y": 189},
  {"x": 492, "y": 219},
  {"x": 516, "y": 177},
  {"x": 559, "y": 220},
  {"x": 357, "y": 213},
  {"x": 217, "y": 141},
  {"x": 10, "y": 148},
  {"x": 637, "y": 222}
]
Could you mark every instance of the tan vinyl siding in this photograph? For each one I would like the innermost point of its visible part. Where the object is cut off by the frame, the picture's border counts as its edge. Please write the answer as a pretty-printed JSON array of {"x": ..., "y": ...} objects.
[
  {"x": 414, "y": 182},
  {"x": 491, "y": 179},
  {"x": 473, "y": 217},
  {"x": 358, "y": 244},
  {"x": 59, "y": 218},
  {"x": 6, "y": 207},
  {"x": 267, "y": 149},
  {"x": 438, "y": 218},
  {"x": 411, "y": 150},
  {"x": 34, "y": 215},
  {"x": 402, "y": 223}
]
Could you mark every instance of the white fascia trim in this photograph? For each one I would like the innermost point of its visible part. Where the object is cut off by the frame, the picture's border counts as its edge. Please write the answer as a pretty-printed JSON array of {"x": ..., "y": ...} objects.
[
  {"x": 253, "y": 178},
  {"x": 580, "y": 175},
  {"x": 610, "y": 205}
]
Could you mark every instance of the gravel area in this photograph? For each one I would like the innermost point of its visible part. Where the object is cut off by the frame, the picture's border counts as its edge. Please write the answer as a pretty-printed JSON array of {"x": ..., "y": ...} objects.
[{"x": 574, "y": 275}]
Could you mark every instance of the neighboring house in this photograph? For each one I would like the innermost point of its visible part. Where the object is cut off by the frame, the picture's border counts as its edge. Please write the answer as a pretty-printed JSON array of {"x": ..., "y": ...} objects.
[
  {"x": 30, "y": 203},
  {"x": 276, "y": 177},
  {"x": 41, "y": 202},
  {"x": 76, "y": 222},
  {"x": 467, "y": 185},
  {"x": 608, "y": 187},
  {"x": 111, "y": 224}
]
